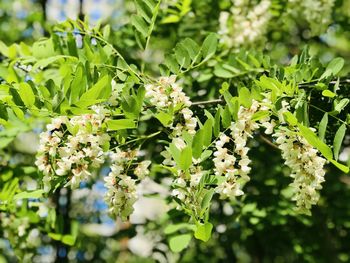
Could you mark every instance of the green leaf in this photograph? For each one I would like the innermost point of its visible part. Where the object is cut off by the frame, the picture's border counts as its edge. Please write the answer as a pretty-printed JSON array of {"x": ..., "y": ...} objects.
[
  {"x": 31, "y": 194},
  {"x": 144, "y": 10},
  {"x": 179, "y": 242},
  {"x": 68, "y": 240},
  {"x": 290, "y": 118},
  {"x": 206, "y": 154},
  {"x": 341, "y": 105},
  {"x": 207, "y": 132},
  {"x": 192, "y": 48},
  {"x": 101, "y": 90},
  {"x": 172, "y": 228},
  {"x": 203, "y": 231},
  {"x": 72, "y": 45},
  {"x": 8, "y": 190},
  {"x": 323, "y": 127},
  {"x": 340, "y": 166},
  {"x": 140, "y": 25},
  {"x": 260, "y": 115},
  {"x": 335, "y": 65},
  {"x": 182, "y": 56},
  {"x": 234, "y": 107},
  {"x": 170, "y": 19},
  {"x": 328, "y": 93},
  {"x": 175, "y": 153},
  {"x": 122, "y": 124},
  {"x": 206, "y": 200},
  {"x": 26, "y": 93},
  {"x": 333, "y": 68},
  {"x": 4, "y": 49},
  {"x": 226, "y": 117},
  {"x": 78, "y": 84},
  {"x": 221, "y": 72},
  {"x": 106, "y": 31},
  {"x": 42, "y": 63},
  {"x": 197, "y": 144},
  {"x": 338, "y": 139},
  {"x": 164, "y": 118},
  {"x": 186, "y": 158},
  {"x": 16, "y": 97},
  {"x": 209, "y": 46},
  {"x": 245, "y": 97},
  {"x": 217, "y": 122},
  {"x": 43, "y": 48},
  {"x": 171, "y": 63},
  {"x": 311, "y": 137}
]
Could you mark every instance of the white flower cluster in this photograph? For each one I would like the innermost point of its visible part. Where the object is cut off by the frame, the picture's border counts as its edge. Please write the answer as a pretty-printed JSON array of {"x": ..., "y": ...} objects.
[
  {"x": 225, "y": 165},
  {"x": 245, "y": 23},
  {"x": 17, "y": 230},
  {"x": 167, "y": 94},
  {"x": 235, "y": 166},
  {"x": 306, "y": 165},
  {"x": 121, "y": 195},
  {"x": 185, "y": 184},
  {"x": 318, "y": 13},
  {"x": 71, "y": 147}
]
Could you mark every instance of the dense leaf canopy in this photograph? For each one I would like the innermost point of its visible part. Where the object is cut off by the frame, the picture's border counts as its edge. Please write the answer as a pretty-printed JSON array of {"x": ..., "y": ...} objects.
[{"x": 181, "y": 131}]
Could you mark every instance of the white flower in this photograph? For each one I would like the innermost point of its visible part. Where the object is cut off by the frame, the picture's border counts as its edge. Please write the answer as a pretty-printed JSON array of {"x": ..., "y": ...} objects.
[
  {"x": 141, "y": 171},
  {"x": 245, "y": 24},
  {"x": 306, "y": 167},
  {"x": 179, "y": 193},
  {"x": 56, "y": 123},
  {"x": 83, "y": 148},
  {"x": 179, "y": 143}
]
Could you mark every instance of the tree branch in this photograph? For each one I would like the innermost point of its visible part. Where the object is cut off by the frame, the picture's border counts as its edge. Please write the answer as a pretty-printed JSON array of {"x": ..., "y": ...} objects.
[
  {"x": 206, "y": 102},
  {"x": 262, "y": 137},
  {"x": 301, "y": 85}
]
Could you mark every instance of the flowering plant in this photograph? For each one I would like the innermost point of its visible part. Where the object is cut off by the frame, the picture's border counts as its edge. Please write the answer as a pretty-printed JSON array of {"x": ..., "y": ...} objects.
[{"x": 201, "y": 123}]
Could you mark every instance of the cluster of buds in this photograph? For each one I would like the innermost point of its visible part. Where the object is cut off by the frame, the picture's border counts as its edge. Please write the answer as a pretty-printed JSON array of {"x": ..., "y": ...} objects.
[
  {"x": 306, "y": 166},
  {"x": 318, "y": 13},
  {"x": 166, "y": 95},
  {"x": 235, "y": 166},
  {"x": 18, "y": 231},
  {"x": 71, "y": 147},
  {"x": 224, "y": 163},
  {"x": 245, "y": 23},
  {"x": 186, "y": 182},
  {"x": 121, "y": 195}
]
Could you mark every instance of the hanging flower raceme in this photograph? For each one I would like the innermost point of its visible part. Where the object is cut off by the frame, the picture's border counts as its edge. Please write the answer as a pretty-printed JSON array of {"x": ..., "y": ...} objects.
[
  {"x": 306, "y": 165},
  {"x": 245, "y": 23},
  {"x": 318, "y": 13},
  {"x": 235, "y": 165},
  {"x": 71, "y": 147},
  {"x": 121, "y": 194},
  {"x": 186, "y": 182},
  {"x": 167, "y": 95}
]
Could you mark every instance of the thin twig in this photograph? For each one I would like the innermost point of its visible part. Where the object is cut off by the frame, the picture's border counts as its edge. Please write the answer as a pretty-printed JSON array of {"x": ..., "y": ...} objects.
[
  {"x": 333, "y": 82},
  {"x": 262, "y": 137},
  {"x": 206, "y": 102},
  {"x": 317, "y": 108}
]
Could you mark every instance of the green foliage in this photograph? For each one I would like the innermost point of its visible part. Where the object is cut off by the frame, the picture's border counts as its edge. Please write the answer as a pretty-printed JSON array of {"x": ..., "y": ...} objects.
[{"x": 299, "y": 89}]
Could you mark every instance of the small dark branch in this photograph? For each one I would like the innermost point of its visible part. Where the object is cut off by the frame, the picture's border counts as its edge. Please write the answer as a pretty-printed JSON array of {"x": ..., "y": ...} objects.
[
  {"x": 301, "y": 85},
  {"x": 262, "y": 137},
  {"x": 333, "y": 82},
  {"x": 43, "y": 8},
  {"x": 200, "y": 103},
  {"x": 344, "y": 81},
  {"x": 81, "y": 14}
]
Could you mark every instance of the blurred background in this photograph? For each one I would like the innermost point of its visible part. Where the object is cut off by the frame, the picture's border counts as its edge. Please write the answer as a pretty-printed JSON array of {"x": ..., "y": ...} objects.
[{"x": 263, "y": 227}]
